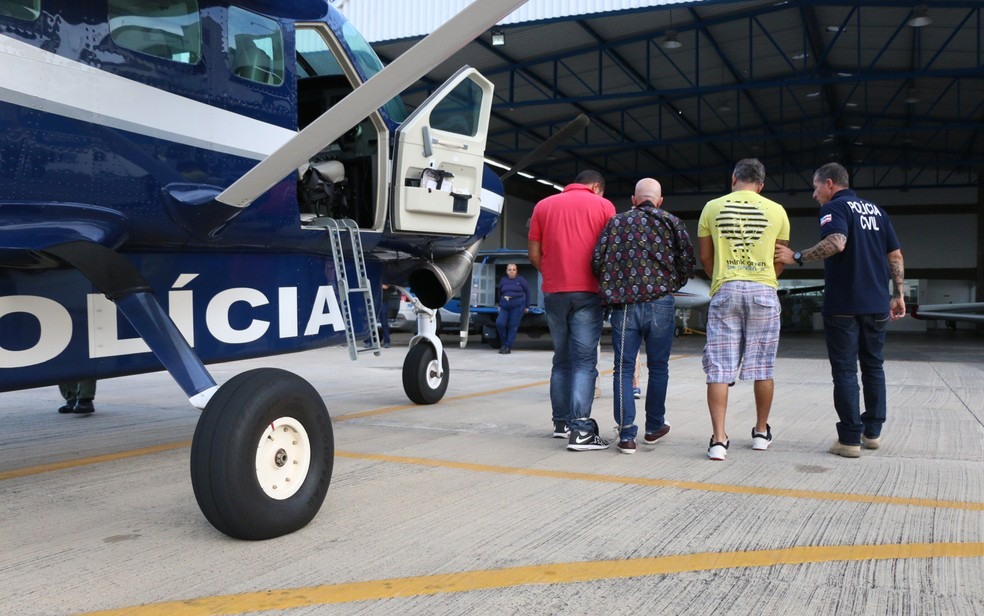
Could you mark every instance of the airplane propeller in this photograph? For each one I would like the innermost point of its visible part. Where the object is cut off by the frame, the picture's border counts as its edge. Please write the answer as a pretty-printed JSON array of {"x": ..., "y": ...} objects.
[{"x": 544, "y": 149}]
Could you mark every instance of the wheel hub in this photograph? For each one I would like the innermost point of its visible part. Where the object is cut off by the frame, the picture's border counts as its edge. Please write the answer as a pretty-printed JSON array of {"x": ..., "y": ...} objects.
[{"x": 283, "y": 457}]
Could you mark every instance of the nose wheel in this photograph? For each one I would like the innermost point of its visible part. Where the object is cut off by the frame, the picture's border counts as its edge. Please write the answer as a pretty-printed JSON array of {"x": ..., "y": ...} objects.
[
  {"x": 262, "y": 455},
  {"x": 423, "y": 382}
]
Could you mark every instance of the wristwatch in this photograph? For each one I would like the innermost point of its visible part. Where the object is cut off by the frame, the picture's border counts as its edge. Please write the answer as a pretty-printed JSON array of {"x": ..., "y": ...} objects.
[{"x": 798, "y": 257}]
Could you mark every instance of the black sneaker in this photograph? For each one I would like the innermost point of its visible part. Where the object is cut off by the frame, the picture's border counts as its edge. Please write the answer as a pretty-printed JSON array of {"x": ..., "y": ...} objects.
[
  {"x": 585, "y": 441},
  {"x": 83, "y": 407},
  {"x": 68, "y": 407},
  {"x": 560, "y": 429}
]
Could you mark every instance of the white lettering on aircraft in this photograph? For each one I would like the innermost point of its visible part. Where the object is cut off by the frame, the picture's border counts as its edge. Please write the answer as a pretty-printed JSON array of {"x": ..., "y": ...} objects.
[
  {"x": 56, "y": 329},
  {"x": 103, "y": 321}
]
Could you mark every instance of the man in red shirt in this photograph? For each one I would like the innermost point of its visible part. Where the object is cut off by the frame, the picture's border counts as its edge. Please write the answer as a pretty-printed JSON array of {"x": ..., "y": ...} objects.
[{"x": 563, "y": 232}]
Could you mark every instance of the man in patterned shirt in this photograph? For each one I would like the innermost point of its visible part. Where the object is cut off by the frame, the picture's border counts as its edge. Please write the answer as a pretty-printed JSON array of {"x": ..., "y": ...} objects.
[
  {"x": 642, "y": 257},
  {"x": 737, "y": 235}
]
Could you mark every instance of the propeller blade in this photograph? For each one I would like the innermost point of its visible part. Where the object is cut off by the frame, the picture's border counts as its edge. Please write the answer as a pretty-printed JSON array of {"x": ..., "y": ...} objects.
[
  {"x": 416, "y": 62},
  {"x": 548, "y": 146}
]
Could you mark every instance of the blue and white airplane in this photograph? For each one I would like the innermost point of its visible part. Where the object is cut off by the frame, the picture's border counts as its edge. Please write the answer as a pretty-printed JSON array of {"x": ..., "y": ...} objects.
[{"x": 192, "y": 181}]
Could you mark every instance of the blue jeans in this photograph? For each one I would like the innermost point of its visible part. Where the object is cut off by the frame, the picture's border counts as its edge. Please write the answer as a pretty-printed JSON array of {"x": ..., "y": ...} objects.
[
  {"x": 853, "y": 339},
  {"x": 574, "y": 320},
  {"x": 507, "y": 322},
  {"x": 632, "y": 324}
]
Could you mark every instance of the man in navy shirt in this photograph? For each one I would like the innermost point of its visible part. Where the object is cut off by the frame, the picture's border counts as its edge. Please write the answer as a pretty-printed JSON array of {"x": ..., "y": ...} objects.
[{"x": 861, "y": 254}]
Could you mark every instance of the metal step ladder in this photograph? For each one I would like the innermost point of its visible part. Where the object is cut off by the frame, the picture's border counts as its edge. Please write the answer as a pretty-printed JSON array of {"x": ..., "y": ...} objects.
[{"x": 335, "y": 230}]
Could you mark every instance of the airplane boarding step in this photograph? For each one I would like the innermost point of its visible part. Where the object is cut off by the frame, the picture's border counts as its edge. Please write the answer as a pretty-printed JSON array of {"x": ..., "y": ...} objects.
[{"x": 335, "y": 229}]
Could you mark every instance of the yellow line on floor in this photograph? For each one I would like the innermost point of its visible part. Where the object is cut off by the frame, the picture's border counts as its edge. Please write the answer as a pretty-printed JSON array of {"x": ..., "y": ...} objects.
[
  {"x": 532, "y": 472},
  {"x": 109, "y": 457},
  {"x": 669, "y": 483},
  {"x": 554, "y": 573}
]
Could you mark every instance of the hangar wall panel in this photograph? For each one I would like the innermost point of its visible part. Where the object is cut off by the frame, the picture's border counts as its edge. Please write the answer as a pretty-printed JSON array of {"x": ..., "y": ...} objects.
[{"x": 385, "y": 20}]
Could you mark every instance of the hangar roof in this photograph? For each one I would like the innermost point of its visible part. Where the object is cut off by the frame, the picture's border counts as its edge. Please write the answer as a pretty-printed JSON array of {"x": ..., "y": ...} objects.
[{"x": 793, "y": 83}]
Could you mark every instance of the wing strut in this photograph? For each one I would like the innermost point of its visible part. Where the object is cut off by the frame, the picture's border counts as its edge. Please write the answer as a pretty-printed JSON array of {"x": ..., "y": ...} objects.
[{"x": 436, "y": 47}]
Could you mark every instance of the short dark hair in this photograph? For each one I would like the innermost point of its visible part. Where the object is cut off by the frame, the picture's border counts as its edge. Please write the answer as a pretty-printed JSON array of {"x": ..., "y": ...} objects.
[
  {"x": 589, "y": 177},
  {"x": 750, "y": 170},
  {"x": 834, "y": 172}
]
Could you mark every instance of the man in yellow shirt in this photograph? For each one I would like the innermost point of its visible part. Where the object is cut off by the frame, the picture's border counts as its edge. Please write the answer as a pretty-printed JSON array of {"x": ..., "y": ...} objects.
[{"x": 737, "y": 234}]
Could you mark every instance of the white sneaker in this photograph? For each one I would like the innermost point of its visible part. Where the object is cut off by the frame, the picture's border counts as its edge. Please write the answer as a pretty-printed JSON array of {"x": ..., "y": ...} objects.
[
  {"x": 761, "y": 442},
  {"x": 871, "y": 443},
  {"x": 718, "y": 451}
]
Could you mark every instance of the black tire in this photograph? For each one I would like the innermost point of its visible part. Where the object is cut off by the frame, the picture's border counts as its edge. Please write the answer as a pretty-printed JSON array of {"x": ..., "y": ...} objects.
[
  {"x": 677, "y": 331},
  {"x": 419, "y": 382},
  {"x": 232, "y": 489}
]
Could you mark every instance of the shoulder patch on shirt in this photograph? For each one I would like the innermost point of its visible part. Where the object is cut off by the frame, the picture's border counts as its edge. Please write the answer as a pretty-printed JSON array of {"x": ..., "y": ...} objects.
[{"x": 825, "y": 219}]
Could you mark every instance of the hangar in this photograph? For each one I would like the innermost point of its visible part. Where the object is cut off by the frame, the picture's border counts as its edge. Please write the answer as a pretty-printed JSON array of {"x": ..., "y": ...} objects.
[{"x": 680, "y": 91}]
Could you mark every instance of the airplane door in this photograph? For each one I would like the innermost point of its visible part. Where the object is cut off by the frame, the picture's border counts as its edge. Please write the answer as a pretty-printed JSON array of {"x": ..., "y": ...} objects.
[{"x": 439, "y": 158}]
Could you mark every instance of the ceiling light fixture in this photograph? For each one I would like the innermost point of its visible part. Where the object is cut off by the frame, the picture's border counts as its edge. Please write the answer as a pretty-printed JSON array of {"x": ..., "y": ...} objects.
[
  {"x": 670, "y": 40},
  {"x": 920, "y": 17},
  {"x": 912, "y": 97},
  {"x": 498, "y": 37}
]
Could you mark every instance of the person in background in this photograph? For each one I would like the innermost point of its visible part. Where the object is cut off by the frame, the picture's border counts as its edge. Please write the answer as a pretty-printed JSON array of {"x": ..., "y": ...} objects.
[
  {"x": 514, "y": 300},
  {"x": 382, "y": 317},
  {"x": 563, "y": 232},
  {"x": 78, "y": 396},
  {"x": 642, "y": 257},
  {"x": 738, "y": 234},
  {"x": 861, "y": 254}
]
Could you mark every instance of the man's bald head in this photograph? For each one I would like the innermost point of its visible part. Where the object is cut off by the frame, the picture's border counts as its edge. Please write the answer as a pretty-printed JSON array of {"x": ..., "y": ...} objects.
[{"x": 648, "y": 189}]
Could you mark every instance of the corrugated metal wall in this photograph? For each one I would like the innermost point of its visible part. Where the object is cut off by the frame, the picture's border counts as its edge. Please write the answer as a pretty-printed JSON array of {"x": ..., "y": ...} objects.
[{"x": 385, "y": 20}]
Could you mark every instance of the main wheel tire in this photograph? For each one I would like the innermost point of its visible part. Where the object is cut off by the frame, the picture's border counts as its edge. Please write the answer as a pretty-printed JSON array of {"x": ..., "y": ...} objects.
[
  {"x": 262, "y": 455},
  {"x": 420, "y": 380}
]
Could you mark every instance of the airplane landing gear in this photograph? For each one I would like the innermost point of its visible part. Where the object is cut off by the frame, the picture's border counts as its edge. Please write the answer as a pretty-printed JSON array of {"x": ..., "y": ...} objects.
[
  {"x": 262, "y": 455},
  {"x": 424, "y": 380}
]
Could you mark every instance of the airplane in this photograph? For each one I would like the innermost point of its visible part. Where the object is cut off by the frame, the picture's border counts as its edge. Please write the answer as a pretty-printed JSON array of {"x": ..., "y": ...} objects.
[
  {"x": 193, "y": 181},
  {"x": 967, "y": 312}
]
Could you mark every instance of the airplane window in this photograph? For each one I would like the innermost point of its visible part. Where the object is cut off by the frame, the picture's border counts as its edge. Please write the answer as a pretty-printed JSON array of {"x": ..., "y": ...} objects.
[
  {"x": 460, "y": 110},
  {"x": 28, "y": 10},
  {"x": 368, "y": 64},
  {"x": 169, "y": 30},
  {"x": 256, "y": 47},
  {"x": 314, "y": 57}
]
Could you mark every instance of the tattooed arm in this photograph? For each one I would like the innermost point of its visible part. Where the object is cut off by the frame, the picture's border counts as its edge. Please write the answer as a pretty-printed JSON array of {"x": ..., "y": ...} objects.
[
  {"x": 827, "y": 247},
  {"x": 897, "y": 268}
]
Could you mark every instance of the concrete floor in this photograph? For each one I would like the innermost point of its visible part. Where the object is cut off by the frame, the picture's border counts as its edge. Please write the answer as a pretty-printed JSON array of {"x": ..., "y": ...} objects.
[{"x": 470, "y": 507}]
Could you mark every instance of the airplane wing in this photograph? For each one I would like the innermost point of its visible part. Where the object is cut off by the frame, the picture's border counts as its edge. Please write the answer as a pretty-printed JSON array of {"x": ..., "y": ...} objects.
[
  {"x": 972, "y": 312},
  {"x": 438, "y": 46}
]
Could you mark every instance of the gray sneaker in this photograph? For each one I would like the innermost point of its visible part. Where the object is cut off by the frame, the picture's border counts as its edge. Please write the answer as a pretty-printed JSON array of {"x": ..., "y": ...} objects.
[
  {"x": 845, "y": 451},
  {"x": 871, "y": 442}
]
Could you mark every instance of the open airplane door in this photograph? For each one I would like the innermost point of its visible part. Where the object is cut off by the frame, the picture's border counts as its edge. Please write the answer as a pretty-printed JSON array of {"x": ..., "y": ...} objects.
[{"x": 439, "y": 158}]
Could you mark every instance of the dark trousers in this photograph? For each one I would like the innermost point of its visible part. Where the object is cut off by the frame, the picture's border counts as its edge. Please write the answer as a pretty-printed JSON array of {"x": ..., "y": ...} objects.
[
  {"x": 507, "y": 322},
  {"x": 78, "y": 390},
  {"x": 853, "y": 340}
]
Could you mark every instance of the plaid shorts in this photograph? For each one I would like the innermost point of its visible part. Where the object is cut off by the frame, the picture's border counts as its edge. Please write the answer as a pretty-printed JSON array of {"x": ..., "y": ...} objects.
[{"x": 742, "y": 333}]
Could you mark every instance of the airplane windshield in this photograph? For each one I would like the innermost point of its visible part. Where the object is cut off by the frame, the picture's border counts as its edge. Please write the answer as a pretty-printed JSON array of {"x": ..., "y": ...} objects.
[{"x": 368, "y": 64}]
